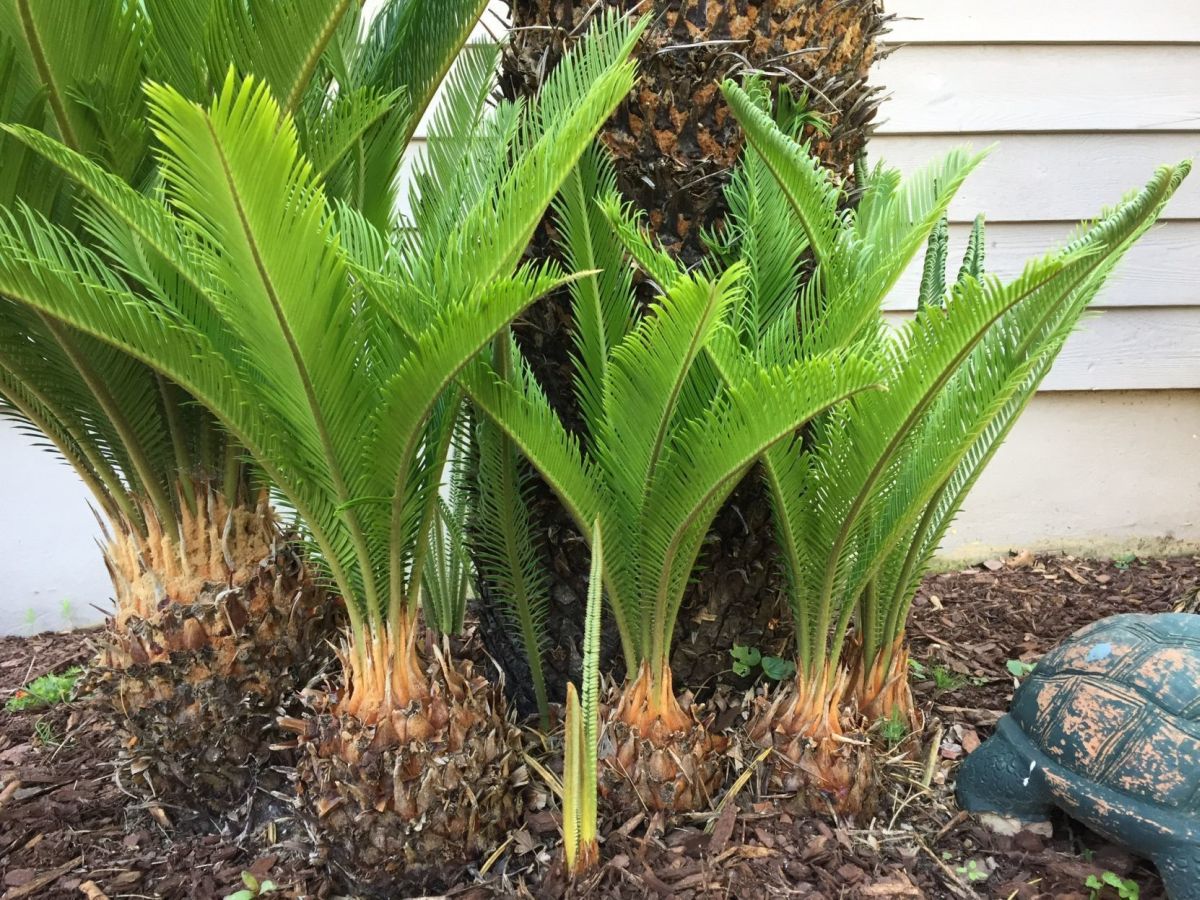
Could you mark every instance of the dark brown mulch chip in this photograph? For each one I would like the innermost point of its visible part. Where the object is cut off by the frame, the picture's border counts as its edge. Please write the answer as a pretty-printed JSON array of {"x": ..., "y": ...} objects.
[{"x": 68, "y": 831}]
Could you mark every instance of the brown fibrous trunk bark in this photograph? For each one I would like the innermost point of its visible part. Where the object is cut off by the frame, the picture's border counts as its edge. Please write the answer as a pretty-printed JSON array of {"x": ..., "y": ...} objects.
[
  {"x": 814, "y": 763},
  {"x": 663, "y": 757},
  {"x": 214, "y": 630}
]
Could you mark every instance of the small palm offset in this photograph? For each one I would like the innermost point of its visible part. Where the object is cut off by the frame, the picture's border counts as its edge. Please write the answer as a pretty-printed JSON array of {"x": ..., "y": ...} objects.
[
  {"x": 864, "y": 494},
  {"x": 665, "y": 445}
]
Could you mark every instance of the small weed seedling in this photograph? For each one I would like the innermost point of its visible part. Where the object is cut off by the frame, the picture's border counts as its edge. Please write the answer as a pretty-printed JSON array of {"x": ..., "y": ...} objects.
[
  {"x": 746, "y": 659},
  {"x": 919, "y": 669},
  {"x": 945, "y": 680},
  {"x": 973, "y": 871},
  {"x": 253, "y": 888},
  {"x": 1019, "y": 668},
  {"x": 1126, "y": 888},
  {"x": 893, "y": 730},
  {"x": 45, "y": 691},
  {"x": 1124, "y": 561}
]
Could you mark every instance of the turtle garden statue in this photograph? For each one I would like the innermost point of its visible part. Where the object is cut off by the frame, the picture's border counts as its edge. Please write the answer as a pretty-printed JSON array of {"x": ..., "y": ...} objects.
[{"x": 1107, "y": 728}]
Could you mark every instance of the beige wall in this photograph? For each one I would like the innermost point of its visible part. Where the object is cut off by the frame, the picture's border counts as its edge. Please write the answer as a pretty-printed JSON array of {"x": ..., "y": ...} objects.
[
  {"x": 1079, "y": 109},
  {"x": 1104, "y": 472}
]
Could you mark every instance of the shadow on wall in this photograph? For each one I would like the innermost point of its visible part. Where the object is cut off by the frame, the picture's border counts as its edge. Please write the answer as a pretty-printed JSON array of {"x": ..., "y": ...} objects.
[{"x": 51, "y": 568}]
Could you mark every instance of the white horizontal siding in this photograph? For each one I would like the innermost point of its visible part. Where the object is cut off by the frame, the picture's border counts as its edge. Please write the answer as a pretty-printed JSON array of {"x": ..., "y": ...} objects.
[
  {"x": 1079, "y": 103},
  {"x": 1051, "y": 177},
  {"x": 1127, "y": 349},
  {"x": 1041, "y": 21},
  {"x": 1162, "y": 269},
  {"x": 1131, "y": 349},
  {"x": 980, "y": 88}
]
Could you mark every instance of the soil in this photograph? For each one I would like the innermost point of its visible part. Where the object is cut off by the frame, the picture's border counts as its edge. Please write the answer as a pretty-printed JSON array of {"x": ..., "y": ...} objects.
[{"x": 68, "y": 830}]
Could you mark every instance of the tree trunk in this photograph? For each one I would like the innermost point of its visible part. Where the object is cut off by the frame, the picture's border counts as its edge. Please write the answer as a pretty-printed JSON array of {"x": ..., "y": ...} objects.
[{"x": 674, "y": 141}]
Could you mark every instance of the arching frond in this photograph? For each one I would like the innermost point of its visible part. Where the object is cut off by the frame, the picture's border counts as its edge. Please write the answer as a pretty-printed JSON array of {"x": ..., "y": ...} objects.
[{"x": 232, "y": 281}]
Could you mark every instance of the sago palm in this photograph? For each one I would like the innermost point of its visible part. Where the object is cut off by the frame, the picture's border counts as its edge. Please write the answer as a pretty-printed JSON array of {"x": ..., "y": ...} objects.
[
  {"x": 863, "y": 498},
  {"x": 330, "y": 350},
  {"x": 674, "y": 145},
  {"x": 665, "y": 444},
  {"x": 216, "y": 619}
]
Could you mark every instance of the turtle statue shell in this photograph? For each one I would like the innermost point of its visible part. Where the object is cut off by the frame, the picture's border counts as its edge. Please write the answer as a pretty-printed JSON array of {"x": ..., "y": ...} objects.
[{"x": 1107, "y": 728}]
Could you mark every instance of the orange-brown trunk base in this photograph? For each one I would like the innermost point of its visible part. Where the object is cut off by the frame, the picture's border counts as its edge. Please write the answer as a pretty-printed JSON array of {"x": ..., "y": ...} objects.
[
  {"x": 881, "y": 692},
  {"x": 663, "y": 758},
  {"x": 586, "y": 859},
  {"x": 403, "y": 798},
  {"x": 206, "y": 643},
  {"x": 814, "y": 765}
]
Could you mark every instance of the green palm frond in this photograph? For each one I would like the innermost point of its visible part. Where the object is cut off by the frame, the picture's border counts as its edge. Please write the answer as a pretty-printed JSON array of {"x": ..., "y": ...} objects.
[
  {"x": 972, "y": 264},
  {"x": 232, "y": 281},
  {"x": 71, "y": 79},
  {"x": 602, "y": 303},
  {"x": 665, "y": 443},
  {"x": 87, "y": 60},
  {"x": 505, "y": 549},
  {"x": 447, "y": 574},
  {"x": 861, "y": 502},
  {"x": 995, "y": 383},
  {"x": 809, "y": 188},
  {"x": 283, "y": 42},
  {"x": 933, "y": 273}
]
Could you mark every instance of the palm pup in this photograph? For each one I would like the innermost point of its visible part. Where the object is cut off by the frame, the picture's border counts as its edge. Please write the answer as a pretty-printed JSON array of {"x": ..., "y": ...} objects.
[
  {"x": 665, "y": 444},
  {"x": 862, "y": 497},
  {"x": 674, "y": 145}
]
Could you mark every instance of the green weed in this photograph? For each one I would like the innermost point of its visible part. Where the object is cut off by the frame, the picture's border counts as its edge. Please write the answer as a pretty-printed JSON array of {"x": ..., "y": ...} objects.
[{"x": 47, "y": 690}]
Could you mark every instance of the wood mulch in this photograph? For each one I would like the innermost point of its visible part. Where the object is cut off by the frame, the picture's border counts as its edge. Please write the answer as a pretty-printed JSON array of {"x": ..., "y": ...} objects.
[{"x": 68, "y": 830}]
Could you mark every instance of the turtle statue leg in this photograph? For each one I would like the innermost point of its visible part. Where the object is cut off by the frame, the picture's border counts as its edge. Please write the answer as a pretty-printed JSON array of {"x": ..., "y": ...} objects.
[
  {"x": 1180, "y": 871},
  {"x": 999, "y": 778}
]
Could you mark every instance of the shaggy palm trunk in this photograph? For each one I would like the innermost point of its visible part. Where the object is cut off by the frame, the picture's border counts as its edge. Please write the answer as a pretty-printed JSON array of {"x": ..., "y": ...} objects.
[
  {"x": 386, "y": 815},
  {"x": 813, "y": 768},
  {"x": 662, "y": 758},
  {"x": 217, "y": 625},
  {"x": 674, "y": 141}
]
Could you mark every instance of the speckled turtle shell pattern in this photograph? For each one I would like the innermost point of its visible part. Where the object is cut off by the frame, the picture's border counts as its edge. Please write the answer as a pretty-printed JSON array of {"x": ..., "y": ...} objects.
[
  {"x": 1119, "y": 704},
  {"x": 1107, "y": 727}
]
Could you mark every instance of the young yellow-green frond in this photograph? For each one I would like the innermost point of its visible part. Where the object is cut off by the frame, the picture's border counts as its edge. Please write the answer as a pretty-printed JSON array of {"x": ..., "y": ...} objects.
[
  {"x": 810, "y": 188},
  {"x": 581, "y": 733},
  {"x": 602, "y": 304}
]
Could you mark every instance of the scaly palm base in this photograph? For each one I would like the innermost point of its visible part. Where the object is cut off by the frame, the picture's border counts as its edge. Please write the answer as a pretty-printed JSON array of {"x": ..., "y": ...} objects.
[
  {"x": 418, "y": 786},
  {"x": 210, "y": 636},
  {"x": 812, "y": 764},
  {"x": 880, "y": 687},
  {"x": 664, "y": 758}
]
